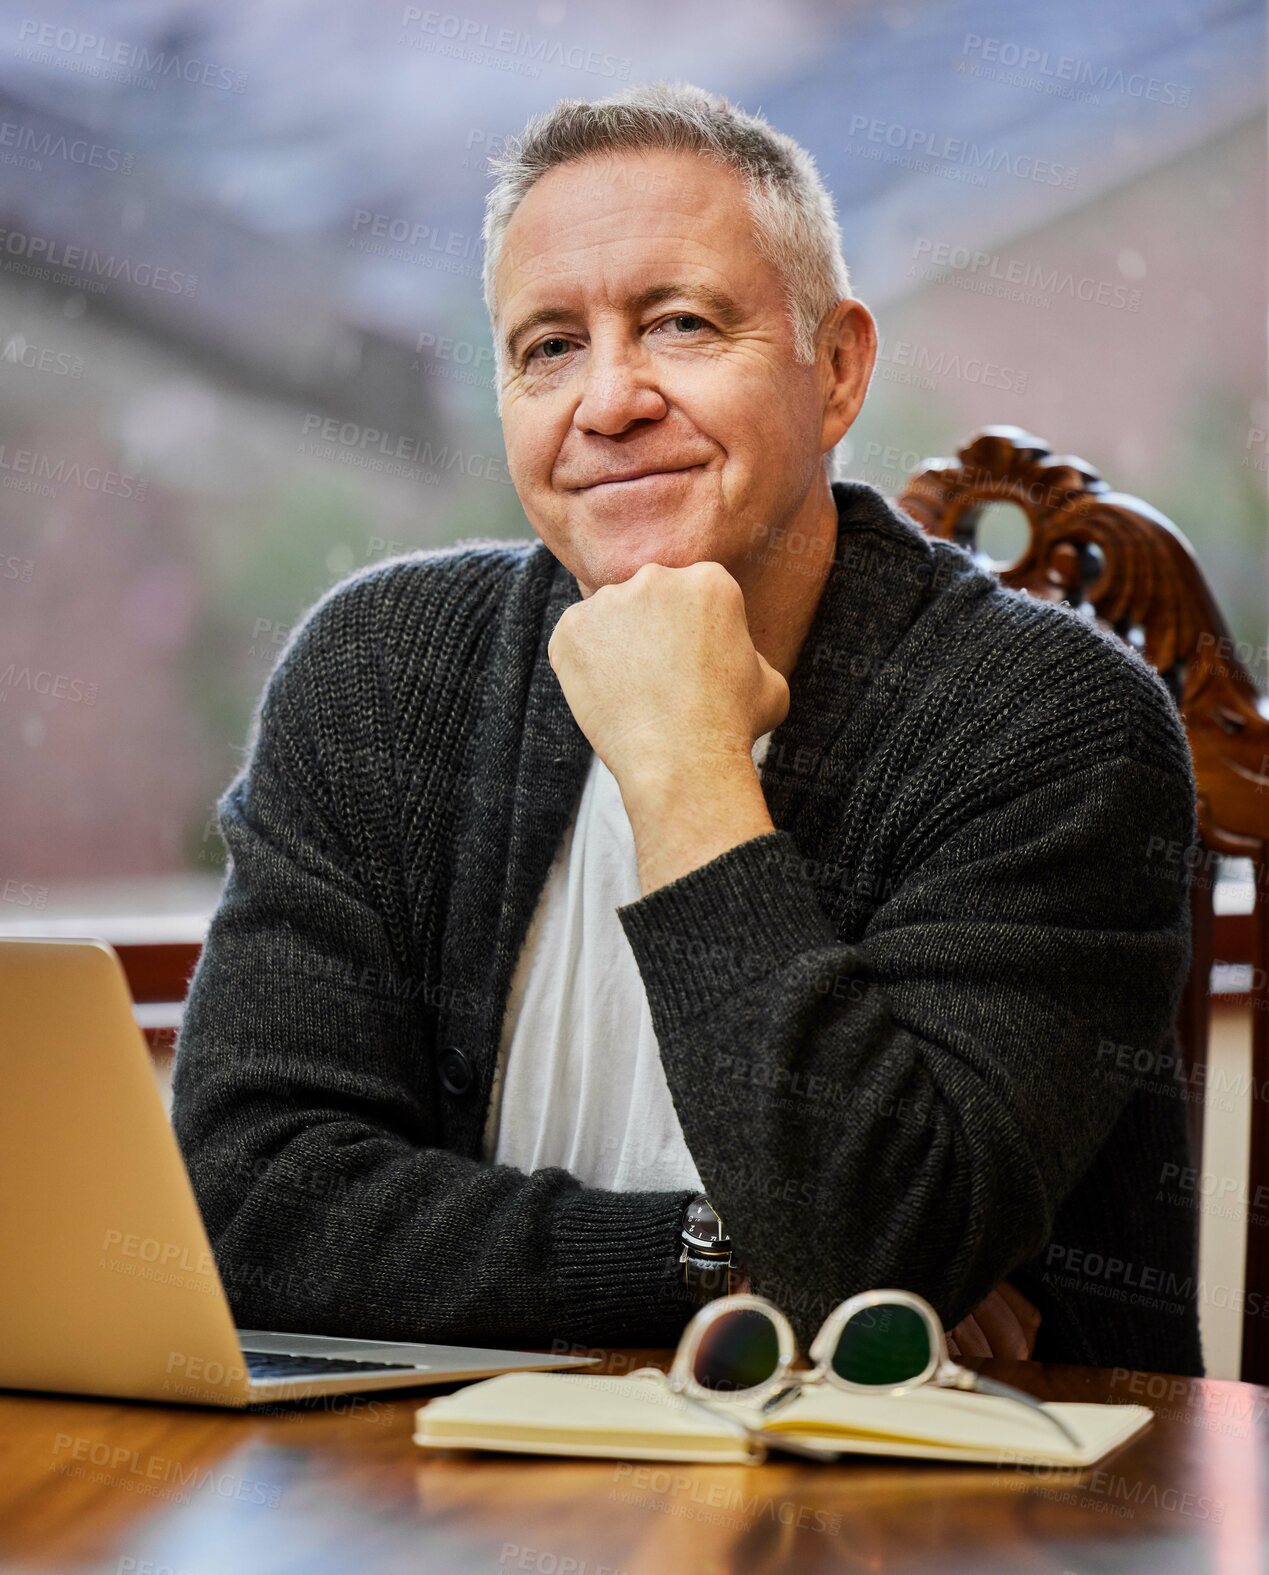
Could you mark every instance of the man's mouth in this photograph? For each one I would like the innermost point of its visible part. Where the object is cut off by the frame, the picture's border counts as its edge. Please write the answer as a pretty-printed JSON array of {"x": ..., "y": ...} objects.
[{"x": 648, "y": 475}]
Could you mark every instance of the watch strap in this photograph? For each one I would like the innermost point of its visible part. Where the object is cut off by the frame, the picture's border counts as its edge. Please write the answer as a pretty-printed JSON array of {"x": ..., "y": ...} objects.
[{"x": 706, "y": 1277}]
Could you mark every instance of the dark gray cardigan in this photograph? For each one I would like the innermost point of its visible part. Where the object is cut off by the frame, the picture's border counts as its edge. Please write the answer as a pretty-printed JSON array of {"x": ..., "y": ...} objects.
[{"x": 919, "y": 1035}]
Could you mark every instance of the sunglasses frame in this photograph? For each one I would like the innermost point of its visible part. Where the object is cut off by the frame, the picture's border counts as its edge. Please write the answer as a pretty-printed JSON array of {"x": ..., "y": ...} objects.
[
  {"x": 784, "y": 1383},
  {"x": 822, "y": 1347},
  {"x": 680, "y": 1373},
  {"x": 825, "y": 1342}
]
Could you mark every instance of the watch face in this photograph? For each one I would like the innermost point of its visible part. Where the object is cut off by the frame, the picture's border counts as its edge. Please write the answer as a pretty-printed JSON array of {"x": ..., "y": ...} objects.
[{"x": 702, "y": 1226}]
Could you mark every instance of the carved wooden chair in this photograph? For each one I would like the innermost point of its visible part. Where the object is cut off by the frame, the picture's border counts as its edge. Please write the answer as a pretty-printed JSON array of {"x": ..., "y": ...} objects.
[{"x": 1129, "y": 567}]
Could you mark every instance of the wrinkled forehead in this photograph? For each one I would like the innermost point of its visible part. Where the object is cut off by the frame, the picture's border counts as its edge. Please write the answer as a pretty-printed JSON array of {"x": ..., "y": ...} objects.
[{"x": 652, "y": 186}]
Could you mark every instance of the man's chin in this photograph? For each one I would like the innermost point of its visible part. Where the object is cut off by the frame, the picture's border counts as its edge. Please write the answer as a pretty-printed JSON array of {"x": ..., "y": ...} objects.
[
  {"x": 607, "y": 550},
  {"x": 613, "y": 566}
]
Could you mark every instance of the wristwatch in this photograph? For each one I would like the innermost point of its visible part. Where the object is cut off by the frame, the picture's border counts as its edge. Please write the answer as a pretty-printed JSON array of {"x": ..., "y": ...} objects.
[{"x": 707, "y": 1252}]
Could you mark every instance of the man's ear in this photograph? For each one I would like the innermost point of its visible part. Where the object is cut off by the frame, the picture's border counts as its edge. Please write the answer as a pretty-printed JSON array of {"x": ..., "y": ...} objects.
[{"x": 846, "y": 355}]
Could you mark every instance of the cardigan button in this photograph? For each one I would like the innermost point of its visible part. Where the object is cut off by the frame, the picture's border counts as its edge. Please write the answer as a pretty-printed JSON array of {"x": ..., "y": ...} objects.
[{"x": 456, "y": 1071}]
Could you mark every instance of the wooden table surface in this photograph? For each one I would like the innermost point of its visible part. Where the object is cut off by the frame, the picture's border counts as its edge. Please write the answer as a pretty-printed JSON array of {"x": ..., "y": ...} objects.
[{"x": 338, "y": 1488}]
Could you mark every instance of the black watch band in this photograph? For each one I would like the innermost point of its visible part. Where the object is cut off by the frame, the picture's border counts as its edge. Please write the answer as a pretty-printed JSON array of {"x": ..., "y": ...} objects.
[
  {"x": 706, "y": 1278},
  {"x": 706, "y": 1256}
]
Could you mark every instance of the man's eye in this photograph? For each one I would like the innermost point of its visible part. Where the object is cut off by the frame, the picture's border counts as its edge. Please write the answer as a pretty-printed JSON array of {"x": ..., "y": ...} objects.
[
  {"x": 687, "y": 322},
  {"x": 556, "y": 340}
]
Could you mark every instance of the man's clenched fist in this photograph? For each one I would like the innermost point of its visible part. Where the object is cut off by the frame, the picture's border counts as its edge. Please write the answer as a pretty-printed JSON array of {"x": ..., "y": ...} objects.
[{"x": 661, "y": 675}]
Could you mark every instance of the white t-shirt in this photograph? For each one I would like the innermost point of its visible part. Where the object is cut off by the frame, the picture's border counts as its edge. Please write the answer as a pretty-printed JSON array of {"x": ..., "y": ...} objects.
[{"x": 580, "y": 1082}]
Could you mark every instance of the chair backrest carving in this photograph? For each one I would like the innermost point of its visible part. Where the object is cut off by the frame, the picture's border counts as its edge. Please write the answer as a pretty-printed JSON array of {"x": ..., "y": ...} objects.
[{"x": 1116, "y": 559}]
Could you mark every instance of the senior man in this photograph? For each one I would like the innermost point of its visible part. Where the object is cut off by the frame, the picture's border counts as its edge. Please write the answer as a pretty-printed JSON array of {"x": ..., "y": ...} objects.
[{"x": 732, "y": 885}]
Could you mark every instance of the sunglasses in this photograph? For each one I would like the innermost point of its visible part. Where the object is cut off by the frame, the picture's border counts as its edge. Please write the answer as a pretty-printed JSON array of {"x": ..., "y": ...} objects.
[{"x": 879, "y": 1342}]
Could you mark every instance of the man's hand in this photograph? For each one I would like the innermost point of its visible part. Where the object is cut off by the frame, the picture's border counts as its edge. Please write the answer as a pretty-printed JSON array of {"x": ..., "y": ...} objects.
[
  {"x": 662, "y": 677},
  {"x": 1005, "y": 1325}
]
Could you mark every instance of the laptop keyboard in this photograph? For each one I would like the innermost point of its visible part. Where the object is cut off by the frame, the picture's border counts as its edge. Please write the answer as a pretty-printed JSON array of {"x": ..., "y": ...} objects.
[{"x": 269, "y": 1364}]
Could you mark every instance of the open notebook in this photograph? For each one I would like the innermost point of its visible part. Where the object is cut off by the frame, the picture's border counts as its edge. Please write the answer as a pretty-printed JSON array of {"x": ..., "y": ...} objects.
[{"x": 639, "y": 1419}]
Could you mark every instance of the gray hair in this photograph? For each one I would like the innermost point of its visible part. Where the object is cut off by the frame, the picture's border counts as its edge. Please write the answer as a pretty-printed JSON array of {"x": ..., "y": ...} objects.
[{"x": 795, "y": 225}]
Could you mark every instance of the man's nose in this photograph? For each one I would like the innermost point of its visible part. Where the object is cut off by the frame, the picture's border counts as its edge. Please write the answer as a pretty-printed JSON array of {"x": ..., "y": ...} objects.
[{"x": 618, "y": 388}]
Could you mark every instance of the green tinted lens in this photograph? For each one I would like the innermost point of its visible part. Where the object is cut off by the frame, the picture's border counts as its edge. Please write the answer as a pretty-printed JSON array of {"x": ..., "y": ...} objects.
[
  {"x": 739, "y": 1350},
  {"x": 884, "y": 1345}
]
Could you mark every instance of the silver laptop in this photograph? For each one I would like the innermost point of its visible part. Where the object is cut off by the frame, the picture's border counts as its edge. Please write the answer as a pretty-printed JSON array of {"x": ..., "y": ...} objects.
[{"x": 107, "y": 1281}]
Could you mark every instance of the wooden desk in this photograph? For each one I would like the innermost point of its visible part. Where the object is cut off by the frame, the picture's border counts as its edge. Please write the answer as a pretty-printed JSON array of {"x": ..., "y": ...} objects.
[{"x": 148, "y": 1490}]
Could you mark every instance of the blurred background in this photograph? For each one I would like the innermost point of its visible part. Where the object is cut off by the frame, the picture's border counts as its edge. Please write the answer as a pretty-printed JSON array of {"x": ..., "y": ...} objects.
[{"x": 243, "y": 350}]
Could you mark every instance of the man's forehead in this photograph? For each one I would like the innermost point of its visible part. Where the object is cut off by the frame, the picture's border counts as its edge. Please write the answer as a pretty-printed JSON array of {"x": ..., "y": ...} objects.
[
  {"x": 661, "y": 206},
  {"x": 649, "y": 178}
]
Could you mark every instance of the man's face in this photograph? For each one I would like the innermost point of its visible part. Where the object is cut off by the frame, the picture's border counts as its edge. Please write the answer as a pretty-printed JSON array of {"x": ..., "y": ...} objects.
[{"x": 653, "y": 337}]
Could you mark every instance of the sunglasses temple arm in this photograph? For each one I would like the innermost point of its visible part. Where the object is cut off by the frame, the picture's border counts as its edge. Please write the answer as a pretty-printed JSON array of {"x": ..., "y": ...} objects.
[
  {"x": 732, "y": 1422},
  {"x": 781, "y": 1397},
  {"x": 992, "y": 1386},
  {"x": 760, "y": 1442}
]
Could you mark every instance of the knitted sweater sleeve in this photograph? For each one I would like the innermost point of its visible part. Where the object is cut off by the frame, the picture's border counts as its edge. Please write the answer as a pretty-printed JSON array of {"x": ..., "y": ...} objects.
[
  {"x": 911, "y": 1108},
  {"x": 304, "y": 1071}
]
